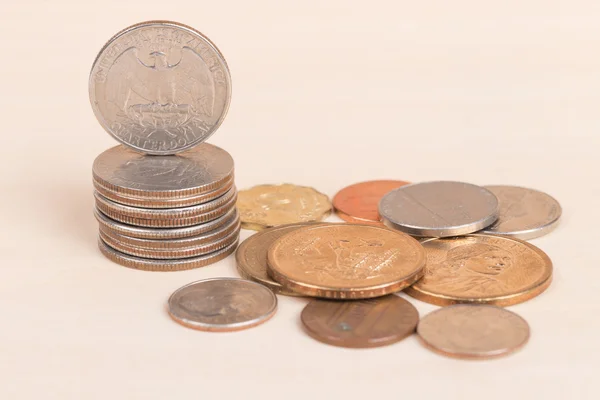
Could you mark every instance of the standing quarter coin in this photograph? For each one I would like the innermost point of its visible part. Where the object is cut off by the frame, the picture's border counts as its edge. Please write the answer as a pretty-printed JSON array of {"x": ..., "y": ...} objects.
[
  {"x": 439, "y": 208},
  {"x": 360, "y": 323},
  {"x": 222, "y": 304},
  {"x": 471, "y": 331}
]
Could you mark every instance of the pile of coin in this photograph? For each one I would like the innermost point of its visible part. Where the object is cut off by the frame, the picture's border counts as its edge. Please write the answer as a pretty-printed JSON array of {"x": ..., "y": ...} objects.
[{"x": 164, "y": 199}]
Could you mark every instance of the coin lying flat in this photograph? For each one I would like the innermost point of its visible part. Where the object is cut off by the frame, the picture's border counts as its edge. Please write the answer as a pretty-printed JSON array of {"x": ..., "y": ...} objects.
[
  {"x": 273, "y": 205},
  {"x": 160, "y": 87},
  {"x": 359, "y": 202},
  {"x": 163, "y": 233},
  {"x": 222, "y": 304},
  {"x": 251, "y": 256},
  {"x": 524, "y": 213},
  {"x": 482, "y": 269},
  {"x": 129, "y": 174},
  {"x": 360, "y": 323},
  {"x": 472, "y": 331},
  {"x": 147, "y": 264},
  {"x": 439, "y": 209},
  {"x": 346, "y": 261}
]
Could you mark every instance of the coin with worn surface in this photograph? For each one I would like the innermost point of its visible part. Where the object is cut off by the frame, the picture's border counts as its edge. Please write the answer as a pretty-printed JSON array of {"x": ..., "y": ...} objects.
[
  {"x": 524, "y": 213},
  {"x": 482, "y": 269},
  {"x": 360, "y": 323},
  {"x": 160, "y": 87},
  {"x": 346, "y": 261},
  {"x": 148, "y": 264},
  {"x": 251, "y": 256},
  {"x": 359, "y": 202},
  {"x": 161, "y": 234},
  {"x": 273, "y": 205},
  {"x": 222, "y": 304},
  {"x": 439, "y": 209},
  {"x": 473, "y": 331},
  {"x": 126, "y": 173}
]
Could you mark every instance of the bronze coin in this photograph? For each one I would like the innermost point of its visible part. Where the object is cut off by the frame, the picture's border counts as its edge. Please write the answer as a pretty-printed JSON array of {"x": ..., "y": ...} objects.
[
  {"x": 473, "y": 331},
  {"x": 361, "y": 323}
]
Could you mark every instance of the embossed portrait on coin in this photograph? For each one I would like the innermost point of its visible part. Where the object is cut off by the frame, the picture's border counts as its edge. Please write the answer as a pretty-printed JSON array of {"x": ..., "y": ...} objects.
[
  {"x": 224, "y": 306},
  {"x": 162, "y": 172}
]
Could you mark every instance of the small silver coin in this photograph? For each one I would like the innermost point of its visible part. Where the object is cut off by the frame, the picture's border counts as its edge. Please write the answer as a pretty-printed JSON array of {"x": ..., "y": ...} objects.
[
  {"x": 160, "y": 87},
  {"x": 524, "y": 213},
  {"x": 164, "y": 233},
  {"x": 202, "y": 170},
  {"x": 222, "y": 304},
  {"x": 439, "y": 209}
]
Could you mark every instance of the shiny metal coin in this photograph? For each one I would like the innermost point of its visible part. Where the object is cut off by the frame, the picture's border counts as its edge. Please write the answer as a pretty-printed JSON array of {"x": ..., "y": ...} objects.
[
  {"x": 439, "y": 209},
  {"x": 147, "y": 264},
  {"x": 164, "y": 233},
  {"x": 170, "y": 254},
  {"x": 222, "y": 304},
  {"x": 524, "y": 213},
  {"x": 160, "y": 87},
  {"x": 126, "y": 173}
]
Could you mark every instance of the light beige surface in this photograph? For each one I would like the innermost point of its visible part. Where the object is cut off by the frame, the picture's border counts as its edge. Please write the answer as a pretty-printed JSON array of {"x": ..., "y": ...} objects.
[{"x": 325, "y": 93}]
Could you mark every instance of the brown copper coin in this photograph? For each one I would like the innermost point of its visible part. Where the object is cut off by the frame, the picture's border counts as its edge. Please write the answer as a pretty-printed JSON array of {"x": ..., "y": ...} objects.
[
  {"x": 359, "y": 202},
  {"x": 361, "y": 323},
  {"x": 482, "y": 269},
  {"x": 473, "y": 331}
]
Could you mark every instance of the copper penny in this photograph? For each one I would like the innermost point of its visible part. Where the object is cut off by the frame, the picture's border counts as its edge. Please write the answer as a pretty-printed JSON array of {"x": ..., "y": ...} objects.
[
  {"x": 473, "y": 331},
  {"x": 482, "y": 269},
  {"x": 360, "y": 323},
  {"x": 346, "y": 261},
  {"x": 359, "y": 202}
]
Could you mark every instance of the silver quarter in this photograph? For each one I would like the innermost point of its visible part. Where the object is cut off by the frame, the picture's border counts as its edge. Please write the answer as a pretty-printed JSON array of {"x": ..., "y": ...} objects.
[
  {"x": 160, "y": 87},
  {"x": 524, "y": 213},
  {"x": 439, "y": 209},
  {"x": 222, "y": 304},
  {"x": 164, "y": 234},
  {"x": 202, "y": 170}
]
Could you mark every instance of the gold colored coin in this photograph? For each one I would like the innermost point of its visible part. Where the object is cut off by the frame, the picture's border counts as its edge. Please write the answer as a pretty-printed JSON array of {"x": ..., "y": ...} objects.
[
  {"x": 482, "y": 269},
  {"x": 346, "y": 261},
  {"x": 265, "y": 206}
]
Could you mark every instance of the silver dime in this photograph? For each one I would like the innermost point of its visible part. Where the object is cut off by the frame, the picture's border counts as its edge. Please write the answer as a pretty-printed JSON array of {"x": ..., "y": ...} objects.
[
  {"x": 524, "y": 213},
  {"x": 160, "y": 87},
  {"x": 222, "y": 304},
  {"x": 164, "y": 233},
  {"x": 439, "y": 209},
  {"x": 204, "y": 169}
]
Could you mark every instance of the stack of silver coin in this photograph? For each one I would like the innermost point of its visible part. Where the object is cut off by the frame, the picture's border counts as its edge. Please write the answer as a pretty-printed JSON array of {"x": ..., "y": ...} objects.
[{"x": 164, "y": 199}]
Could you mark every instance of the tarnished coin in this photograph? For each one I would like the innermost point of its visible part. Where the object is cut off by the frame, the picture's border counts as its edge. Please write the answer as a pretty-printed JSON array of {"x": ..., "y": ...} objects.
[
  {"x": 473, "y": 331},
  {"x": 126, "y": 173},
  {"x": 524, "y": 213},
  {"x": 359, "y": 202},
  {"x": 147, "y": 264},
  {"x": 439, "y": 209},
  {"x": 161, "y": 234},
  {"x": 160, "y": 87},
  {"x": 346, "y": 261},
  {"x": 222, "y": 304},
  {"x": 251, "y": 256},
  {"x": 482, "y": 269},
  {"x": 273, "y": 205},
  {"x": 360, "y": 323}
]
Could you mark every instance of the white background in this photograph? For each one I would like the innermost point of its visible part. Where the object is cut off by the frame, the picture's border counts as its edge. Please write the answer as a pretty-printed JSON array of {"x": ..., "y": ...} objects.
[{"x": 325, "y": 94}]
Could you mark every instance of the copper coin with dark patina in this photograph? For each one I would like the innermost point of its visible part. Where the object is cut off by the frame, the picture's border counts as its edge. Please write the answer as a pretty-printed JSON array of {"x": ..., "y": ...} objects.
[{"x": 362, "y": 323}]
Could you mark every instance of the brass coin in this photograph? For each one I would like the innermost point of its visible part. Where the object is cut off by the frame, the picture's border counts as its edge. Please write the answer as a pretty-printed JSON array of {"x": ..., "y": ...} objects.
[
  {"x": 251, "y": 256},
  {"x": 473, "y": 331},
  {"x": 346, "y": 261},
  {"x": 265, "y": 206},
  {"x": 164, "y": 265},
  {"x": 161, "y": 234},
  {"x": 360, "y": 323},
  {"x": 482, "y": 269}
]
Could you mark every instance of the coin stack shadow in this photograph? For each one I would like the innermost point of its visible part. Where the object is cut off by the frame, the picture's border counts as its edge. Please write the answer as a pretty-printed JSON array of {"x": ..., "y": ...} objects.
[{"x": 166, "y": 213}]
